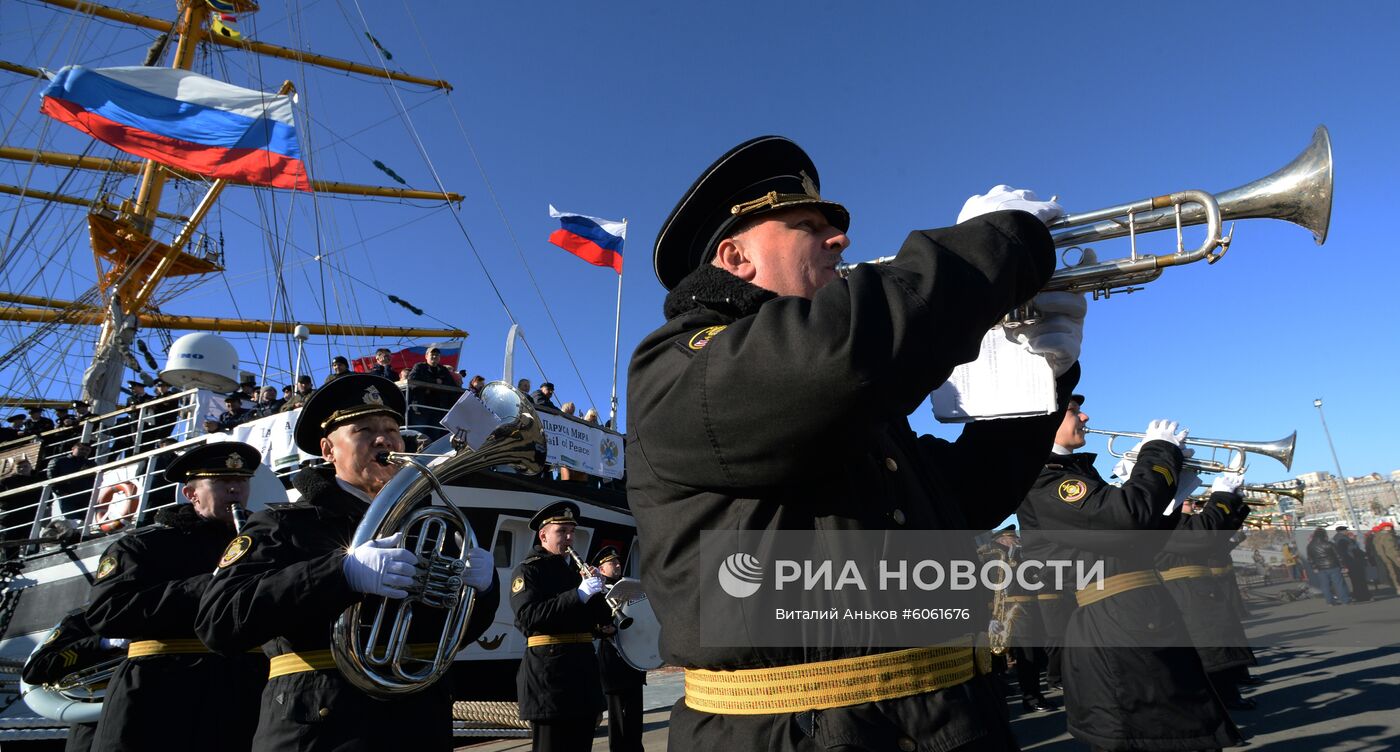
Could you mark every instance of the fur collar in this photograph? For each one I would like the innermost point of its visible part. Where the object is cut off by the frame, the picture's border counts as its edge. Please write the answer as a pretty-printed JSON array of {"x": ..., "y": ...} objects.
[
  {"x": 716, "y": 289},
  {"x": 318, "y": 488}
]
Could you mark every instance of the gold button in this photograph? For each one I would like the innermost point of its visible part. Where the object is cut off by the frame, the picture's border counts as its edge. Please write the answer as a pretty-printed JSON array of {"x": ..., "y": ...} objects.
[
  {"x": 898, "y": 516},
  {"x": 907, "y": 744},
  {"x": 324, "y": 712},
  {"x": 890, "y": 464}
]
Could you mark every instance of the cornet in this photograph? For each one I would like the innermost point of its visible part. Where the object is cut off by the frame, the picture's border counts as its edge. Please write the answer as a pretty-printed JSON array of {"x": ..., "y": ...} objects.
[
  {"x": 1279, "y": 449},
  {"x": 1300, "y": 192}
]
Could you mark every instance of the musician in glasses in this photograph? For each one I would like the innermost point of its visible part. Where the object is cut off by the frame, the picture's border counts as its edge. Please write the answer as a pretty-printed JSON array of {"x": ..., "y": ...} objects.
[
  {"x": 776, "y": 397},
  {"x": 147, "y": 590},
  {"x": 284, "y": 581}
]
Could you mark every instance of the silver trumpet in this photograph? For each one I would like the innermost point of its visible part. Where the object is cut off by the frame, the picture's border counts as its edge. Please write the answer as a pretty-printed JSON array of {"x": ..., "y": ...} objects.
[
  {"x": 370, "y": 640},
  {"x": 1300, "y": 192},
  {"x": 1235, "y": 461}
]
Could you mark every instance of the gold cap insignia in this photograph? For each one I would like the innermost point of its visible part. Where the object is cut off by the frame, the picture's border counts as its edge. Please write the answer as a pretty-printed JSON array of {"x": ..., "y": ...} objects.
[
  {"x": 236, "y": 548},
  {"x": 809, "y": 186},
  {"x": 517, "y": 585},
  {"x": 106, "y": 567},
  {"x": 372, "y": 396},
  {"x": 234, "y": 461},
  {"x": 1072, "y": 490}
]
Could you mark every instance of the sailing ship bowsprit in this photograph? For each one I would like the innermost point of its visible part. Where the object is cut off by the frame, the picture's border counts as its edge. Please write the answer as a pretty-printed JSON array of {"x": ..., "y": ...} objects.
[{"x": 168, "y": 159}]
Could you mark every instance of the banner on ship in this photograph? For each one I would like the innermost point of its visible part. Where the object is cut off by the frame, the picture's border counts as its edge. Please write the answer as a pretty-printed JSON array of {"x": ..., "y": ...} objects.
[{"x": 581, "y": 446}]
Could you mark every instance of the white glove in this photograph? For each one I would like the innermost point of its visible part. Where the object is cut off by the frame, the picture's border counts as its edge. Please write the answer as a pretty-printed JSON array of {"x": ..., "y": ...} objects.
[
  {"x": 995, "y": 628},
  {"x": 590, "y": 587},
  {"x": 1002, "y": 197},
  {"x": 381, "y": 567},
  {"x": 1228, "y": 482},
  {"x": 1165, "y": 430},
  {"x": 480, "y": 568},
  {"x": 113, "y": 643},
  {"x": 1059, "y": 331}
]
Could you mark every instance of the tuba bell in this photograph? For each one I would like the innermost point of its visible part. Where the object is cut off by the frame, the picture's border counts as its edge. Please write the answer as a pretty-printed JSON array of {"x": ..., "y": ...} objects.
[{"x": 370, "y": 639}]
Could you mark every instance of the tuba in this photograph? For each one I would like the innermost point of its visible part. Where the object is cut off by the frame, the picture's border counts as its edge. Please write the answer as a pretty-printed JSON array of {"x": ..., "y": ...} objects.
[
  {"x": 370, "y": 639},
  {"x": 1300, "y": 192}
]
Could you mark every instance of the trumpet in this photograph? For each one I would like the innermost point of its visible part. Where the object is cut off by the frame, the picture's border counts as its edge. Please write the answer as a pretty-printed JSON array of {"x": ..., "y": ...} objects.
[
  {"x": 621, "y": 620},
  {"x": 1279, "y": 449},
  {"x": 88, "y": 683},
  {"x": 1300, "y": 192},
  {"x": 1292, "y": 493}
]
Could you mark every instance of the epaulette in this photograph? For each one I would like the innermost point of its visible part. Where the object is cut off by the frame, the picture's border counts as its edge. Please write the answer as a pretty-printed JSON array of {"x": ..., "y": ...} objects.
[{"x": 532, "y": 559}]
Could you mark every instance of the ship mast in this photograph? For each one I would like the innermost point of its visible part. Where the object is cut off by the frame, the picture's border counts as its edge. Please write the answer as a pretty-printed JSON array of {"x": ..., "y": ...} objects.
[{"x": 102, "y": 381}]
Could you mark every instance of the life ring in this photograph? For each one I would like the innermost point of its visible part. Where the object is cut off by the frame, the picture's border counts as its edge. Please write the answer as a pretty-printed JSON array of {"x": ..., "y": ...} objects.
[
  {"x": 108, "y": 514},
  {"x": 53, "y": 704}
]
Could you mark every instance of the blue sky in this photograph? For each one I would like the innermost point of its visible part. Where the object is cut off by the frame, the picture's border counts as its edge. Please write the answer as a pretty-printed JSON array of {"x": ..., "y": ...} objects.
[{"x": 611, "y": 109}]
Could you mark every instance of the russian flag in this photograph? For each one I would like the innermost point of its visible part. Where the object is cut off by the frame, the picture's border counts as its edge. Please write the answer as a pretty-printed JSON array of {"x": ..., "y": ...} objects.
[
  {"x": 597, "y": 241},
  {"x": 184, "y": 120}
]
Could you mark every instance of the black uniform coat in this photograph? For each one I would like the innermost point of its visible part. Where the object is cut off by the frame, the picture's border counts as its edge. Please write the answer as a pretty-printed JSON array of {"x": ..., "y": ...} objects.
[
  {"x": 286, "y": 591},
  {"x": 72, "y": 646},
  {"x": 1215, "y": 629},
  {"x": 148, "y": 588},
  {"x": 1126, "y": 687},
  {"x": 556, "y": 682},
  {"x": 751, "y": 411}
]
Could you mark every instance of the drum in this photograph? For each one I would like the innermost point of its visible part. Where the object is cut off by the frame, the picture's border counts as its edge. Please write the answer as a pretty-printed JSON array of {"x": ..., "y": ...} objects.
[{"x": 639, "y": 644}]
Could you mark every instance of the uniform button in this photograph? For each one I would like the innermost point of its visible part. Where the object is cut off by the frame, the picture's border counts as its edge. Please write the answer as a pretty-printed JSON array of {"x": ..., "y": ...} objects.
[
  {"x": 907, "y": 744},
  {"x": 890, "y": 464},
  {"x": 323, "y": 712},
  {"x": 898, "y": 516},
  {"x": 1151, "y": 625}
]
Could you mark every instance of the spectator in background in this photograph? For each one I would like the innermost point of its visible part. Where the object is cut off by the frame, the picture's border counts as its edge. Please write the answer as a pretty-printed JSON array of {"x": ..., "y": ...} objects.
[
  {"x": 568, "y": 409},
  {"x": 37, "y": 422},
  {"x": 164, "y": 416},
  {"x": 81, "y": 410},
  {"x": 461, "y": 377},
  {"x": 433, "y": 371},
  {"x": 73, "y": 494},
  {"x": 591, "y": 416},
  {"x": 212, "y": 426},
  {"x": 1354, "y": 561},
  {"x": 234, "y": 412},
  {"x": 477, "y": 383},
  {"x": 1290, "y": 560},
  {"x": 1388, "y": 552},
  {"x": 544, "y": 396},
  {"x": 302, "y": 394},
  {"x": 286, "y": 394},
  {"x": 382, "y": 366},
  {"x": 524, "y": 386},
  {"x": 137, "y": 389},
  {"x": 248, "y": 389},
  {"x": 1323, "y": 558},
  {"x": 339, "y": 367},
  {"x": 16, "y": 428},
  {"x": 268, "y": 404}
]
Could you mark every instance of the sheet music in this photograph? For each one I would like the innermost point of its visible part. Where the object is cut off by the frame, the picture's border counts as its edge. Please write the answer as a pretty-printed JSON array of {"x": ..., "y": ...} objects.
[
  {"x": 1006, "y": 381},
  {"x": 470, "y": 417}
]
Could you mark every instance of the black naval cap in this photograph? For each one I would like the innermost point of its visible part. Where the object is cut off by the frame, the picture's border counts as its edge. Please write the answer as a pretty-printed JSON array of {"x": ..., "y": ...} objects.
[
  {"x": 558, "y": 513},
  {"x": 223, "y": 459},
  {"x": 134, "y": 383},
  {"x": 351, "y": 396},
  {"x": 17, "y": 417},
  {"x": 605, "y": 554},
  {"x": 234, "y": 397},
  {"x": 752, "y": 179}
]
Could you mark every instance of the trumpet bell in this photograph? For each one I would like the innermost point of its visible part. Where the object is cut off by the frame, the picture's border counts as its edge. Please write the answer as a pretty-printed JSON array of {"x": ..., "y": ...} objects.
[{"x": 1299, "y": 192}]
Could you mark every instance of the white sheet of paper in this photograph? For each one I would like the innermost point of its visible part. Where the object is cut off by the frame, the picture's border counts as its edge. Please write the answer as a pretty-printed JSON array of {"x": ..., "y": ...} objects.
[
  {"x": 1006, "y": 381},
  {"x": 470, "y": 417}
]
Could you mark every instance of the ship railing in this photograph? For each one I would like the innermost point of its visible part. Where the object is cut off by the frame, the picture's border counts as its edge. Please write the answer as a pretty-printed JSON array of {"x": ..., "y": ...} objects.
[
  {"x": 124, "y": 432},
  {"x": 426, "y": 404}
]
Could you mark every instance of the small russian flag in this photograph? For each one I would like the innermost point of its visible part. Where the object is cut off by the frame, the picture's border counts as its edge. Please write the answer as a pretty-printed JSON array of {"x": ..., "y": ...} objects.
[{"x": 597, "y": 241}]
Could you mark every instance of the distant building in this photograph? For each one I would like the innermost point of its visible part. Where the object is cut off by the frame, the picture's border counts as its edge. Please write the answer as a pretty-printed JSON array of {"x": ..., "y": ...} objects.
[{"x": 1373, "y": 496}]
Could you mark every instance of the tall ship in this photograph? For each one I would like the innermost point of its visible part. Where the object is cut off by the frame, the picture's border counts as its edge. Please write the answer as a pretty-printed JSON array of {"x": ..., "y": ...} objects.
[{"x": 156, "y": 173}]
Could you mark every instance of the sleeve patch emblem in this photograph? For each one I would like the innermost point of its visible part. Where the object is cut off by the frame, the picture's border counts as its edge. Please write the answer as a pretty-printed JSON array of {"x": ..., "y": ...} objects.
[
  {"x": 236, "y": 548},
  {"x": 1165, "y": 473},
  {"x": 703, "y": 337},
  {"x": 1072, "y": 490},
  {"x": 106, "y": 567},
  {"x": 517, "y": 585}
]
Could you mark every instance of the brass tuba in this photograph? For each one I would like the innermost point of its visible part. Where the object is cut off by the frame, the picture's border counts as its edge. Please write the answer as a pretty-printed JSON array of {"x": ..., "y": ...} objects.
[
  {"x": 1300, "y": 192},
  {"x": 370, "y": 639}
]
